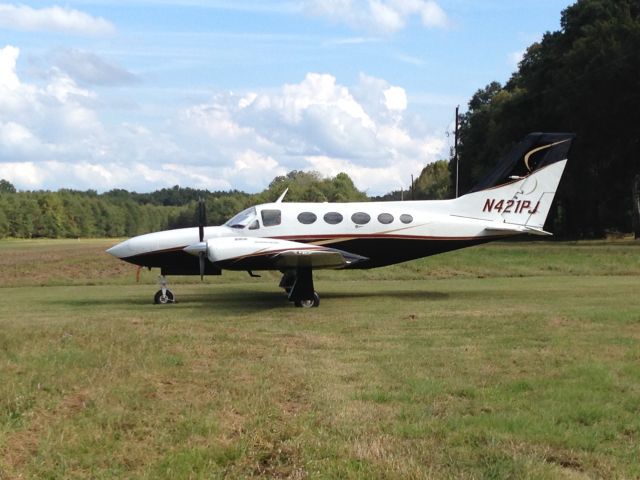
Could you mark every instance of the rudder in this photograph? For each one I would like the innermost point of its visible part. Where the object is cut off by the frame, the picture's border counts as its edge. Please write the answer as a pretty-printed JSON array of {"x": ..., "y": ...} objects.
[{"x": 520, "y": 190}]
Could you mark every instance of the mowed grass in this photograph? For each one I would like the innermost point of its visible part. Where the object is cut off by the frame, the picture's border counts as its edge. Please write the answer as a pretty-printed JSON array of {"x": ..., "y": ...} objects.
[{"x": 501, "y": 361}]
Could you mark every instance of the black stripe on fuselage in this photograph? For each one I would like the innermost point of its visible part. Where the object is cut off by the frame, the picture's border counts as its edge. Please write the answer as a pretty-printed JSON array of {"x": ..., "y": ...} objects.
[{"x": 380, "y": 252}]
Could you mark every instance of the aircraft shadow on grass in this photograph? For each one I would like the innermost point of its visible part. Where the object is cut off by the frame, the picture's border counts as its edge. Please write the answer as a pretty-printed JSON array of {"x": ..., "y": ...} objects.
[
  {"x": 240, "y": 301},
  {"x": 261, "y": 300}
]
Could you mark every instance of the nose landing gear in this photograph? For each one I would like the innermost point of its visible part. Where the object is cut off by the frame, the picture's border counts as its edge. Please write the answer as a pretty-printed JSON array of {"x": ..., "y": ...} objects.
[{"x": 164, "y": 295}]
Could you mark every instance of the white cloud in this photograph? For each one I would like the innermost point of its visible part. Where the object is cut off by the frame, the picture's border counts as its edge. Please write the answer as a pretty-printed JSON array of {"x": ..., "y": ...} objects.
[
  {"x": 89, "y": 69},
  {"x": 57, "y": 135},
  {"x": 514, "y": 58},
  {"x": 52, "y": 19},
  {"x": 252, "y": 168},
  {"x": 8, "y": 58},
  {"x": 318, "y": 124},
  {"x": 395, "y": 98},
  {"x": 26, "y": 175},
  {"x": 382, "y": 16},
  {"x": 411, "y": 60}
]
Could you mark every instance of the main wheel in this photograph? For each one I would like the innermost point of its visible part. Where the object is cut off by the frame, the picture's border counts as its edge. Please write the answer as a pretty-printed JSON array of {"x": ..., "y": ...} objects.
[
  {"x": 310, "y": 302},
  {"x": 168, "y": 297}
]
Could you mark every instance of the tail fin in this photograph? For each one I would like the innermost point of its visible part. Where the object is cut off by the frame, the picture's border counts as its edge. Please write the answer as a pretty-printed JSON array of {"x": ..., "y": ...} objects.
[{"x": 518, "y": 193}]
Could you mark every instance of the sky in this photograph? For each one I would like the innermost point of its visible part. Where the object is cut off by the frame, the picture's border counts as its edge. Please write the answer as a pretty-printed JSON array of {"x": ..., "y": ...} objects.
[{"x": 229, "y": 94}]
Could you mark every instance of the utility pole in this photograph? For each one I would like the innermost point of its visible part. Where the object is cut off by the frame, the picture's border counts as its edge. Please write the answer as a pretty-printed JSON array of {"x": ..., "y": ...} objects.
[
  {"x": 455, "y": 149},
  {"x": 413, "y": 196}
]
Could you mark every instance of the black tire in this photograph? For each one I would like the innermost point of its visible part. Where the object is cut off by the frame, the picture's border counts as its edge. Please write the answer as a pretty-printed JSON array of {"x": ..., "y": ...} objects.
[
  {"x": 310, "y": 302},
  {"x": 160, "y": 299}
]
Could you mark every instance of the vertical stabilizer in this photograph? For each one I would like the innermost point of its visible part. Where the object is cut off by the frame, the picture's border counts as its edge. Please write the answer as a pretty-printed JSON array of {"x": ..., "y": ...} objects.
[{"x": 520, "y": 190}]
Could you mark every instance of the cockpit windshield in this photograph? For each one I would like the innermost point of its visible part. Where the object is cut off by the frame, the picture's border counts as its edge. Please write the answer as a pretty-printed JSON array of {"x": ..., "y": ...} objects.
[{"x": 242, "y": 219}]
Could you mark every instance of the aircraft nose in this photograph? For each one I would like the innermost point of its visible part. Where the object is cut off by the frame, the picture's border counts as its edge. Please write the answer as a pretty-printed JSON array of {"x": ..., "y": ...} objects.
[{"x": 121, "y": 250}]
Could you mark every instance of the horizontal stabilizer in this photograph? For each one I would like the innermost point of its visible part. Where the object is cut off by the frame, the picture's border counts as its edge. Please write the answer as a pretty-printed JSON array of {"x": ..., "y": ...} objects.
[{"x": 517, "y": 229}]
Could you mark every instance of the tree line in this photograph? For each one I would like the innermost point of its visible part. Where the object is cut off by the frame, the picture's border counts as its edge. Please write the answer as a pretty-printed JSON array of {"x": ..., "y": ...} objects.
[
  {"x": 119, "y": 213},
  {"x": 585, "y": 79}
]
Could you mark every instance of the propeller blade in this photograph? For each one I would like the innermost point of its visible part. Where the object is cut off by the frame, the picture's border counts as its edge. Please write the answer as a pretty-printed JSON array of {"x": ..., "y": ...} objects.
[
  {"x": 201, "y": 257},
  {"x": 202, "y": 218}
]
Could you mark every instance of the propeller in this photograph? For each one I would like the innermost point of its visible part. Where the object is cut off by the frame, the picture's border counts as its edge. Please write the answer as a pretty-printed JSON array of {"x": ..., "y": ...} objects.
[
  {"x": 202, "y": 219},
  {"x": 200, "y": 248}
]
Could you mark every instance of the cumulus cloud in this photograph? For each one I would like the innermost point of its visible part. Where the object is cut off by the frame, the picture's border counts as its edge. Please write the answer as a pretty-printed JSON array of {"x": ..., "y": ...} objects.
[
  {"x": 89, "y": 69},
  {"x": 321, "y": 125},
  {"x": 55, "y": 135},
  {"x": 8, "y": 58},
  {"x": 381, "y": 16},
  {"x": 52, "y": 19}
]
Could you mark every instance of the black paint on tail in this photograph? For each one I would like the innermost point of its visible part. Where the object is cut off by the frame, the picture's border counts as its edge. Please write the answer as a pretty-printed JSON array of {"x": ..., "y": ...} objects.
[{"x": 537, "y": 150}]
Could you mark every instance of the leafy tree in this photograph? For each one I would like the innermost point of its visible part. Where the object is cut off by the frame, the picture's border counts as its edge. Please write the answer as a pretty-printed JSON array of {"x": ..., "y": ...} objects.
[
  {"x": 117, "y": 213},
  {"x": 582, "y": 78},
  {"x": 433, "y": 182},
  {"x": 6, "y": 187},
  {"x": 4, "y": 221}
]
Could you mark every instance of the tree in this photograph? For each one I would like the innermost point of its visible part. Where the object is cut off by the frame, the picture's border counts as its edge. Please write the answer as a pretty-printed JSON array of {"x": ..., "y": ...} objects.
[
  {"x": 4, "y": 221},
  {"x": 6, "y": 187},
  {"x": 584, "y": 79},
  {"x": 433, "y": 182},
  {"x": 636, "y": 207}
]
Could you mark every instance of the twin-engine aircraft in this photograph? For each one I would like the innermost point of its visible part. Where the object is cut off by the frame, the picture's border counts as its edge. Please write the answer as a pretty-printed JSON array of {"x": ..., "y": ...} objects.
[{"x": 297, "y": 238}]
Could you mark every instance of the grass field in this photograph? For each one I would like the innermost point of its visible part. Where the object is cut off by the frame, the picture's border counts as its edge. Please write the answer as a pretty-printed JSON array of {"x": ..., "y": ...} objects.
[{"x": 517, "y": 360}]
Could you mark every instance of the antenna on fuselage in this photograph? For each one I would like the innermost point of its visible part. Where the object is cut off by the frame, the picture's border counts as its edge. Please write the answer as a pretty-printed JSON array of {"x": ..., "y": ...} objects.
[
  {"x": 413, "y": 195},
  {"x": 281, "y": 197}
]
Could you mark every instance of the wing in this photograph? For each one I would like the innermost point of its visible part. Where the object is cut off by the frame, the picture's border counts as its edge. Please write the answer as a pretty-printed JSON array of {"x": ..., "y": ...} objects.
[
  {"x": 316, "y": 258},
  {"x": 250, "y": 253}
]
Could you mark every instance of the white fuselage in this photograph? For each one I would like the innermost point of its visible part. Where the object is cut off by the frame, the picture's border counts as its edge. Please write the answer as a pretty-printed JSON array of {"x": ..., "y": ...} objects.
[{"x": 384, "y": 232}]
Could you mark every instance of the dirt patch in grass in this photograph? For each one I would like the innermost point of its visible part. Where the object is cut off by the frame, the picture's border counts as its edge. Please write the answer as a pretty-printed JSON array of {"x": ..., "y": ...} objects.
[{"x": 21, "y": 446}]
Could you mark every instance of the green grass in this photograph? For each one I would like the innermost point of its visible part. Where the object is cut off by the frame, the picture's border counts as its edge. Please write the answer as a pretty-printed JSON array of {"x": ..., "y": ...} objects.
[{"x": 504, "y": 361}]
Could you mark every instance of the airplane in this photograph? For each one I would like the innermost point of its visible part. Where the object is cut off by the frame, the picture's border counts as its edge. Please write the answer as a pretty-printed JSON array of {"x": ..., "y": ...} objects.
[{"x": 298, "y": 238}]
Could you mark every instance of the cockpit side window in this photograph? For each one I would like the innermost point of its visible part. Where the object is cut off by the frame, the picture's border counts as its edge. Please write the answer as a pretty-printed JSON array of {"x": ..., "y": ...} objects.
[
  {"x": 271, "y": 218},
  {"x": 255, "y": 225},
  {"x": 242, "y": 219}
]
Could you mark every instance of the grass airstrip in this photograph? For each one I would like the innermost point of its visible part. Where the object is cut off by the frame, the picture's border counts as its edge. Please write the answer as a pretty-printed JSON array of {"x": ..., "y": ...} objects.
[{"x": 510, "y": 360}]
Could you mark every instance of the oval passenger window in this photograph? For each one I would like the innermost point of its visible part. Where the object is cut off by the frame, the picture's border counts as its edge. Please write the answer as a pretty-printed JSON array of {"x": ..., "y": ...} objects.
[
  {"x": 307, "y": 218},
  {"x": 332, "y": 218},
  {"x": 385, "y": 218},
  {"x": 360, "y": 218},
  {"x": 405, "y": 218}
]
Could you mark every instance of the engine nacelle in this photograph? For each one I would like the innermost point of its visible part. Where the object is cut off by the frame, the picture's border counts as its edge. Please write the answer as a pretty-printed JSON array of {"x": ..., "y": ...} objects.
[{"x": 228, "y": 248}]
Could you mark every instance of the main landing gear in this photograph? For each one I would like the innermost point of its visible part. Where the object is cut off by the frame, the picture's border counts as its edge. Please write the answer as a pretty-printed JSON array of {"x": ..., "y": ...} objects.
[
  {"x": 298, "y": 284},
  {"x": 164, "y": 295}
]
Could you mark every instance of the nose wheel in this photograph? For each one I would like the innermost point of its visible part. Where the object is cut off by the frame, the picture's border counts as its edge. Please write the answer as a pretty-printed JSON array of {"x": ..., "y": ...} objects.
[
  {"x": 163, "y": 298},
  {"x": 164, "y": 295}
]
